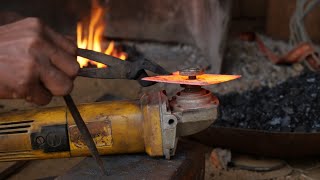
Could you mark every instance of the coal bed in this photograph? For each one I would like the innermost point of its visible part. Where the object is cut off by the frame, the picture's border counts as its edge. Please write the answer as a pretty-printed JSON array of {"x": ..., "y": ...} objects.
[{"x": 292, "y": 106}]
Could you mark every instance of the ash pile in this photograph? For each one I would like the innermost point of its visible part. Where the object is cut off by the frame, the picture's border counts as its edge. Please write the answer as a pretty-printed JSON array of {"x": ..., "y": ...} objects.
[{"x": 292, "y": 106}]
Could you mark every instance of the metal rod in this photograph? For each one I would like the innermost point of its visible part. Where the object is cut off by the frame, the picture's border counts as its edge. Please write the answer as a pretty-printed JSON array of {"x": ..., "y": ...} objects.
[{"x": 84, "y": 131}]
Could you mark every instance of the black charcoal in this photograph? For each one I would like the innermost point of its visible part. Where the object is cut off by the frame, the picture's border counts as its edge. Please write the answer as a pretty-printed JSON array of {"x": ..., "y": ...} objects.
[{"x": 291, "y": 106}]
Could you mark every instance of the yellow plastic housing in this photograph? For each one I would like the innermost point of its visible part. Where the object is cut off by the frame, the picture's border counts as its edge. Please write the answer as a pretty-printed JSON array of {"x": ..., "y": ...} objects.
[{"x": 116, "y": 127}]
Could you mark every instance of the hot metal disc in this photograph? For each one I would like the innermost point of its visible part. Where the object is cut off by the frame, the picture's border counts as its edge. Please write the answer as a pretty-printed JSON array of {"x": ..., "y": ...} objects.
[{"x": 201, "y": 80}]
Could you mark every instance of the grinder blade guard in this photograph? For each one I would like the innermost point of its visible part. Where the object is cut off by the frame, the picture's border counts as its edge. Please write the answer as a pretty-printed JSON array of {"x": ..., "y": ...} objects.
[{"x": 191, "y": 110}]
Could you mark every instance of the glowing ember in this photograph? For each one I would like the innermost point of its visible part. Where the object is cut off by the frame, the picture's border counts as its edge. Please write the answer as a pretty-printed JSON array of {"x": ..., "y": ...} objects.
[
  {"x": 202, "y": 80},
  {"x": 90, "y": 34}
]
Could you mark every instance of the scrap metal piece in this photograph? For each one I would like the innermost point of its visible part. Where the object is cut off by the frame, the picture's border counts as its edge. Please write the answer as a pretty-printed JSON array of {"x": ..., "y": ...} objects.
[
  {"x": 303, "y": 52},
  {"x": 84, "y": 131},
  {"x": 201, "y": 80}
]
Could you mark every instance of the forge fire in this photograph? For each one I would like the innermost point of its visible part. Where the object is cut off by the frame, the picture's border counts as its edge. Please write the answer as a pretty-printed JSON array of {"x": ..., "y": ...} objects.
[{"x": 90, "y": 36}]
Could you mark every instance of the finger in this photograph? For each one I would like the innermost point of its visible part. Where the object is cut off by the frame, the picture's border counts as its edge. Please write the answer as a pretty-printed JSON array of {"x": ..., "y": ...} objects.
[
  {"x": 65, "y": 62},
  {"x": 57, "y": 82},
  {"x": 61, "y": 59},
  {"x": 39, "y": 95},
  {"x": 61, "y": 41}
]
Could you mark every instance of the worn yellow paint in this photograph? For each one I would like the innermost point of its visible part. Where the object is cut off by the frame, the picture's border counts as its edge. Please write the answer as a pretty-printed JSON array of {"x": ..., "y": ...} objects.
[
  {"x": 152, "y": 126},
  {"x": 126, "y": 125},
  {"x": 100, "y": 131},
  {"x": 117, "y": 127}
]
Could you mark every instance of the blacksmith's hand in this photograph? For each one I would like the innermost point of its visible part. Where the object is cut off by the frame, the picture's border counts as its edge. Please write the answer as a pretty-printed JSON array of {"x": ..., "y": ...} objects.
[{"x": 36, "y": 63}]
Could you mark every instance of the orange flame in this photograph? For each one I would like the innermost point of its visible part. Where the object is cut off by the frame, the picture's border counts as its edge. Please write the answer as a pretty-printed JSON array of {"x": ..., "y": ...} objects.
[{"x": 90, "y": 35}]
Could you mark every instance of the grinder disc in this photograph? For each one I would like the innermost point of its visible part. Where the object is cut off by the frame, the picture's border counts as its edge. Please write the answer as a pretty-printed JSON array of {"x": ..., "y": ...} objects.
[{"x": 200, "y": 80}]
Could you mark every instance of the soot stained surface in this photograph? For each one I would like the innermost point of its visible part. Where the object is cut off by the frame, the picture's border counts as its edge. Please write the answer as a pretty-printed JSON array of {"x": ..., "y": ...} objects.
[{"x": 292, "y": 106}]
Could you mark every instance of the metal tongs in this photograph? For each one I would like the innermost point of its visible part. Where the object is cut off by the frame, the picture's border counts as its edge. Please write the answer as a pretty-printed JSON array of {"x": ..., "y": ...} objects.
[{"x": 133, "y": 68}]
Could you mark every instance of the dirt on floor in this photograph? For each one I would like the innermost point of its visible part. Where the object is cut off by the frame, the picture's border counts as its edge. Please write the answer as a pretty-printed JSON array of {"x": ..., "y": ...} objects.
[{"x": 302, "y": 169}]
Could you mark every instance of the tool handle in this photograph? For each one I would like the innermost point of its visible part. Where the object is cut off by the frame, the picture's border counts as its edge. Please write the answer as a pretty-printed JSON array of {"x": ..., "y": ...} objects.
[{"x": 84, "y": 131}]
